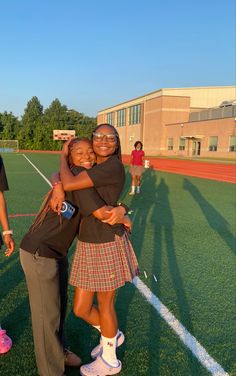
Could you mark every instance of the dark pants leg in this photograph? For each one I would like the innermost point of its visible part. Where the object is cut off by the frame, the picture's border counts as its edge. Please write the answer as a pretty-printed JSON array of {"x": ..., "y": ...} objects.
[
  {"x": 63, "y": 281},
  {"x": 42, "y": 277}
]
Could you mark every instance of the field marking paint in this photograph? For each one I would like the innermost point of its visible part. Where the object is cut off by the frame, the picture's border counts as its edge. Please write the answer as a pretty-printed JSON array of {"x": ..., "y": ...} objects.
[
  {"x": 190, "y": 341},
  {"x": 40, "y": 173}
]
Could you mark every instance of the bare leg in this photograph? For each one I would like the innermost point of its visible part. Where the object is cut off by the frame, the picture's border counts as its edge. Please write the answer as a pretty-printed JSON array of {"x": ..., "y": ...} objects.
[
  {"x": 133, "y": 185},
  {"x": 107, "y": 313},
  {"x": 83, "y": 306},
  {"x": 138, "y": 178},
  {"x": 133, "y": 180}
]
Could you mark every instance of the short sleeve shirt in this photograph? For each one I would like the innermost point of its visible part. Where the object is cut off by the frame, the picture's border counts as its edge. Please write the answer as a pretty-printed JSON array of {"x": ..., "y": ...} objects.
[
  {"x": 55, "y": 235},
  {"x": 108, "y": 179},
  {"x": 137, "y": 157},
  {"x": 3, "y": 178}
]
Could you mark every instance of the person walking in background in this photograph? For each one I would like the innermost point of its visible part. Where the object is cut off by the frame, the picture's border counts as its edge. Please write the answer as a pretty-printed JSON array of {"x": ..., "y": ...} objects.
[
  {"x": 104, "y": 258},
  {"x": 5, "y": 341},
  {"x": 136, "y": 167}
]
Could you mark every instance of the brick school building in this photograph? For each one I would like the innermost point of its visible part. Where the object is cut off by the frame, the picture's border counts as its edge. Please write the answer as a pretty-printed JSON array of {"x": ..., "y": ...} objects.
[{"x": 183, "y": 122}]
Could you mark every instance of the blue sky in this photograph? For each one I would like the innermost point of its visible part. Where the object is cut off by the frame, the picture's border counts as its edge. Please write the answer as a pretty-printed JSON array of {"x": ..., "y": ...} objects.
[{"x": 93, "y": 54}]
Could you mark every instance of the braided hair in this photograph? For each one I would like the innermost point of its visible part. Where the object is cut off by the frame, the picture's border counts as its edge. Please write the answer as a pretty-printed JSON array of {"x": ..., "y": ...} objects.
[{"x": 45, "y": 207}]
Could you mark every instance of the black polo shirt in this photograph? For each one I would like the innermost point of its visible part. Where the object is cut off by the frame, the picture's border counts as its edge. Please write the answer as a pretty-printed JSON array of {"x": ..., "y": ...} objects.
[
  {"x": 3, "y": 178},
  {"x": 108, "y": 179},
  {"x": 54, "y": 236}
]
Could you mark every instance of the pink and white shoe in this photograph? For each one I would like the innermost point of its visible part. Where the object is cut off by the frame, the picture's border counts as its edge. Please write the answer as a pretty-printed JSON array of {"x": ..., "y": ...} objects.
[
  {"x": 97, "y": 351},
  {"x": 99, "y": 367},
  {"x": 5, "y": 342}
]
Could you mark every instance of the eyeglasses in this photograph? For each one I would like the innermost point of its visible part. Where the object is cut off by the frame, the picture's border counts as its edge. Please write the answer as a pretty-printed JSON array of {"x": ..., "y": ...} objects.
[{"x": 101, "y": 136}]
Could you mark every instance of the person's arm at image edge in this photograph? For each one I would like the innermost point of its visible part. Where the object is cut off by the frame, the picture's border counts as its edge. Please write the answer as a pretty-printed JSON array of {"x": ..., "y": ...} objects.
[{"x": 5, "y": 226}]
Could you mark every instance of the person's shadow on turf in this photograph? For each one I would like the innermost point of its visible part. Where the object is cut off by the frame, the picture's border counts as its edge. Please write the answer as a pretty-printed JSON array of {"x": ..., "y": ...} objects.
[
  {"x": 217, "y": 222},
  {"x": 153, "y": 202},
  {"x": 141, "y": 204},
  {"x": 163, "y": 244}
]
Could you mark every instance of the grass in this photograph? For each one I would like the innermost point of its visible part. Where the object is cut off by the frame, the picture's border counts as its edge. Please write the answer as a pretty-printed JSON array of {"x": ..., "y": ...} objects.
[{"x": 184, "y": 233}]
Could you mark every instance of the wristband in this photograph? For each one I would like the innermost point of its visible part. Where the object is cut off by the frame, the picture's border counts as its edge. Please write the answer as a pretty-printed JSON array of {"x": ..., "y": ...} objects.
[
  {"x": 7, "y": 232},
  {"x": 124, "y": 206}
]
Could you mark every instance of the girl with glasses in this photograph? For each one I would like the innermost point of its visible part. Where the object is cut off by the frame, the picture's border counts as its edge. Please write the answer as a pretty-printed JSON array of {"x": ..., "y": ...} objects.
[
  {"x": 43, "y": 256},
  {"x": 104, "y": 258}
]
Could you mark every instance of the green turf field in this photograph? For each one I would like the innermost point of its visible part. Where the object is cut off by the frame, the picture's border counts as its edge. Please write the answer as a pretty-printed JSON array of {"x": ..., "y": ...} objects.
[{"x": 184, "y": 238}]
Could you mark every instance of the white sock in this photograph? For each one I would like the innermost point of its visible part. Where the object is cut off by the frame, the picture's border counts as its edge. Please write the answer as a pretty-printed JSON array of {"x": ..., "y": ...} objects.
[
  {"x": 133, "y": 189},
  {"x": 138, "y": 189},
  {"x": 117, "y": 334},
  {"x": 97, "y": 327},
  {"x": 109, "y": 351}
]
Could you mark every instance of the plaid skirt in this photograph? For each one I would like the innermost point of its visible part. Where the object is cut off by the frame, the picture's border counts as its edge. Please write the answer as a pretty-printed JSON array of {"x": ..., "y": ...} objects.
[
  {"x": 104, "y": 266},
  {"x": 136, "y": 170}
]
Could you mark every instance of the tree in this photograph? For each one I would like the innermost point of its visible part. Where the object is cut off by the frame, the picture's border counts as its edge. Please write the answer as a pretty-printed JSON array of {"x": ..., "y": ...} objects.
[
  {"x": 82, "y": 124},
  {"x": 85, "y": 128},
  {"x": 35, "y": 130},
  {"x": 55, "y": 117},
  {"x": 9, "y": 125},
  {"x": 31, "y": 120}
]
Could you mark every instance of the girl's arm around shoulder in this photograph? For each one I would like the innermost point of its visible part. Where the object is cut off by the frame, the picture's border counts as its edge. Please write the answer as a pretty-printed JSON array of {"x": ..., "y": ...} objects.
[{"x": 71, "y": 182}]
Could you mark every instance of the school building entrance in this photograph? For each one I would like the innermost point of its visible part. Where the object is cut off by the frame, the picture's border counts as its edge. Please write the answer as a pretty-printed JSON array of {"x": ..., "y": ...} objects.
[{"x": 196, "y": 148}]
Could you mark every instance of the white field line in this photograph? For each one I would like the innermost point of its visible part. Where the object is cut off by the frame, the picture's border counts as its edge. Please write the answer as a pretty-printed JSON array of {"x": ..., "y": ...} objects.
[
  {"x": 40, "y": 173},
  {"x": 190, "y": 342}
]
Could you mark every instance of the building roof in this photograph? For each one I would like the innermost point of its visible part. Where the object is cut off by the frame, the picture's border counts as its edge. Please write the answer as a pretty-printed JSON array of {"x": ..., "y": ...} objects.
[{"x": 200, "y": 97}]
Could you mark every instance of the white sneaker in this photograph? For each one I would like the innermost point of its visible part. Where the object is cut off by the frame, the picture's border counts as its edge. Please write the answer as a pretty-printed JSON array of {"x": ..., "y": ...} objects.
[
  {"x": 99, "y": 367},
  {"x": 97, "y": 351}
]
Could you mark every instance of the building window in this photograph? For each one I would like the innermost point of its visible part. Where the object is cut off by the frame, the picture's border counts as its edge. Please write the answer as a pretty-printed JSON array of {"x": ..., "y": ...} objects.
[
  {"x": 232, "y": 143},
  {"x": 213, "y": 143},
  {"x": 134, "y": 114},
  {"x": 170, "y": 143},
  {"x": 182, "y": 143},
  {"x": 121, "y": 118},
  {"x": 110, "y": 118}
]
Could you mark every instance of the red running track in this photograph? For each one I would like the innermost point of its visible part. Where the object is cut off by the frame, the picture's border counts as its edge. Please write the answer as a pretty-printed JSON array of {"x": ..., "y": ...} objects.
[{"x": 213, "y": 171}]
